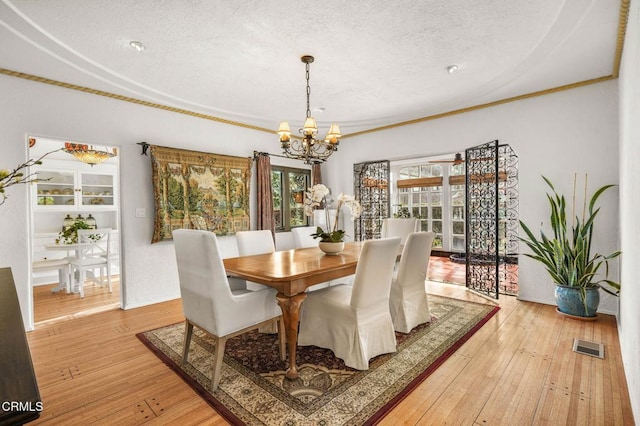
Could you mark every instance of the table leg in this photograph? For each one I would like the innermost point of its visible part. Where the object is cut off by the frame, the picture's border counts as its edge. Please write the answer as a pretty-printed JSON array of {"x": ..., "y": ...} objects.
[{"x": 290, "y": 306}]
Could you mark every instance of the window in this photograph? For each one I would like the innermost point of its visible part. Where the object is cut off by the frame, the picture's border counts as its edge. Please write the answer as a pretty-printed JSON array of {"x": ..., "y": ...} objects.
[
  {"x": 420, "y": 196},
  {"x": 457, "y": 220},
  {"x": 288, "y": 186}
]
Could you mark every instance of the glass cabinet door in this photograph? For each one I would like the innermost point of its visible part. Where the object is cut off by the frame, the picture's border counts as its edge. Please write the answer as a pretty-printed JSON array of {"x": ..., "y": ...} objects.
[
  {"x": 97, "y": 189},
  {"x": 56, "y": 188}
]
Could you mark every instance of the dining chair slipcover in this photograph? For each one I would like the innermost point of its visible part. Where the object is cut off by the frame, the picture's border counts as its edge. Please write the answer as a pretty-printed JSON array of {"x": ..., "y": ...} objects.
[
  {"x": 354, "y": 321},
  {"x": 398, "y": 227},
  {"x": 94, "y": 248},
  {"x": 302, "y": 237},
  {"x": 210, "y": 304},
  {"x": 255, "y": 242},
  {"x": 408, "y": 302}
]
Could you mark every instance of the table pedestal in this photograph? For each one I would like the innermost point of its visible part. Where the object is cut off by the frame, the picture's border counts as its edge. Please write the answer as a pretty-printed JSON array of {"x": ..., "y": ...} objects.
[{"x": 290, "y": 306}]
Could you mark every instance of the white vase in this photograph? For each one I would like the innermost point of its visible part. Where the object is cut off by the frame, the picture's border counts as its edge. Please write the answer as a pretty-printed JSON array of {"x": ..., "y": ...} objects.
[{"x": 331, "y": 248}]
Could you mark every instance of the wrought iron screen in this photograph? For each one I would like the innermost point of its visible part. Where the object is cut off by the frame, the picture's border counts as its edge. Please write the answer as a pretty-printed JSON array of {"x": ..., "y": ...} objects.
[
  {"x": 371, "y": 189},
  {"x": 492, "y": 219},
  {"x": 508, "y": 225}
]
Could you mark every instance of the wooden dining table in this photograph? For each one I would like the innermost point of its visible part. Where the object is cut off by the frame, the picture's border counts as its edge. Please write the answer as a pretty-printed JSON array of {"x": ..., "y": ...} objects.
[{"x": 291, "y": 272}]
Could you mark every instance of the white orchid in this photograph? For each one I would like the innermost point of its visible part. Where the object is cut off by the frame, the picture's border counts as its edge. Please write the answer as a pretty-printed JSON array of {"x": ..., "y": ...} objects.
[{"x": 317, "y": 197}]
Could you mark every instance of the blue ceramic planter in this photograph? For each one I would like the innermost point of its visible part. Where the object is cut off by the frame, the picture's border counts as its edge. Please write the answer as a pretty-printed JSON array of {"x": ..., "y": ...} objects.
[{"x": 569, "y": 302}]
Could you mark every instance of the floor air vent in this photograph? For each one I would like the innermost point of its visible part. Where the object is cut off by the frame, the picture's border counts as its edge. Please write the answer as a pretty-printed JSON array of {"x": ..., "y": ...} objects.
[{"x": 588, "y": 348}]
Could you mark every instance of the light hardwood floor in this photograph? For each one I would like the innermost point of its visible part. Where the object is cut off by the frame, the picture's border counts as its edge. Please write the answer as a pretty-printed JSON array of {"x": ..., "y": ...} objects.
[
  {"x": 55, "y": 307},
  {"x": 519, "y": 368}
]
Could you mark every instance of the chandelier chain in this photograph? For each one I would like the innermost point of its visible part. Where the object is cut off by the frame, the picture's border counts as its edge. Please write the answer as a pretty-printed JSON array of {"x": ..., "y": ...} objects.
[{"x": 308, "y": 91}]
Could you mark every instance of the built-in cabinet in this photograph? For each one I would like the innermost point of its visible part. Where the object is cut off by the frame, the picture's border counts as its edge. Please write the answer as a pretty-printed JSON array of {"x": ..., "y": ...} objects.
[
  {"x": 65, "y": 189},
  {"x": 71, "y": 188}
]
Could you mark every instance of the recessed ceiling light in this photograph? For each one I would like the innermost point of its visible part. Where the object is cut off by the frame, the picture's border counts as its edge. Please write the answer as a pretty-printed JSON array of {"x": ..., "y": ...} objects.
[
  {"x": 137, "y": 45},
  {"x": 452, "y": 68}
]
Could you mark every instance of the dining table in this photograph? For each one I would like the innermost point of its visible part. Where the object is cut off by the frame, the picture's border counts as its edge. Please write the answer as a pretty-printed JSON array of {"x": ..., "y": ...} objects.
[
  {"x": 290, "y": 273},
  {"x": 69, "y": 247}
]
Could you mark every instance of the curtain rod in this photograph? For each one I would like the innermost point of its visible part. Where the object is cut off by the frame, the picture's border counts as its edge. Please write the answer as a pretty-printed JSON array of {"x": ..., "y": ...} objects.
[{"x": 257, "y": 153}]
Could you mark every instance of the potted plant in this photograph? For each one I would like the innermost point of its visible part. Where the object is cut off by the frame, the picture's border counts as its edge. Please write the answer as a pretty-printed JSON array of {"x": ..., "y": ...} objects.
[
  {"x": 567, "y": 255},
  {"x": 332, "y": 239},
  {"x": 69, "y": 235}
]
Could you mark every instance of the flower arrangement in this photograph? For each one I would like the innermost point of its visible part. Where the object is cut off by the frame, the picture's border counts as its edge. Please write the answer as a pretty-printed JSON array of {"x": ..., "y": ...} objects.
[
  {"x": 17, "y": 175},
  {"x": 315, "y": 198}
]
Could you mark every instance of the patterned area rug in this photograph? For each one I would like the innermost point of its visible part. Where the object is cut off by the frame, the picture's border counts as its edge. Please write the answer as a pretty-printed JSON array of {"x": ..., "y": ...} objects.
[{"x": 254, "y": 391}]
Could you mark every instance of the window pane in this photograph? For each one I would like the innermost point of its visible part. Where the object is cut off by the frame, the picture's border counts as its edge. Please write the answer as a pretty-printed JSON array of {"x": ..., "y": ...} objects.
[
  {"x": 436, "y": 199},
  {"x": 276, "y": 190},
  {"x": 458, "y": 243},
  {"x": 297, "y": 217},
  {"x": 297, "y": 185},
  {"x": 424, "y": 225},
  {"x": 436, "y": 212},
  {"x": 457, "y": 169},
  {"x": 457, "y": 198},
  {"x": 437, "y": 241},
  {"x": 458, "y": 228},
  {"x": 436, "y": 226},
  {"x": 403, "y": 199},
  {"x": 458, "y": 213}
]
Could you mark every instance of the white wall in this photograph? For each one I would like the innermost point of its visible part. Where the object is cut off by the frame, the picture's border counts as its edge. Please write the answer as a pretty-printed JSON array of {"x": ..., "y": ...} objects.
[
  {"x": 629, "y": 319},
  {"x": 149, "y": 271},
  {"x": 553, "y": 135}
]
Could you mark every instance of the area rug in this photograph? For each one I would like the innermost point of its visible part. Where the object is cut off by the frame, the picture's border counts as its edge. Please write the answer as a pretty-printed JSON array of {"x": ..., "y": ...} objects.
[{"x": 254, "y": 391}]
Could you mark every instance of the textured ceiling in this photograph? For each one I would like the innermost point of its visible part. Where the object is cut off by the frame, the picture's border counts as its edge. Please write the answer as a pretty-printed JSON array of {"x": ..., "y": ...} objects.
[{"x": 377, "y": 63}]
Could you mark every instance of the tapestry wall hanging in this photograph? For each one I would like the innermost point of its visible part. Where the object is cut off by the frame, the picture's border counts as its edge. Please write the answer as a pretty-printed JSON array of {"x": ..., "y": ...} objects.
[{"x": 198, "y": 190}]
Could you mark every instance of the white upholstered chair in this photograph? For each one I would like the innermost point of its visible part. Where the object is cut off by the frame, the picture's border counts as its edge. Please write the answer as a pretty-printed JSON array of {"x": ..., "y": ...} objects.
[
  {"x": 354, "y": 321},
  {"x": 209, "y": 303},
  {"x": 94, "y": 248},
  {"x": 408, "y": 302},
  {"x": 398, "y": 227},
  {"x": 302, "y": 237},
  {"x": 255, "y": 242}
]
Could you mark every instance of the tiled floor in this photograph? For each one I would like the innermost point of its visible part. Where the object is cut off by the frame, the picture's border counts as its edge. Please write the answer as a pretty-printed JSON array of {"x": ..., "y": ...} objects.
[{"x": 443, "y": 270}]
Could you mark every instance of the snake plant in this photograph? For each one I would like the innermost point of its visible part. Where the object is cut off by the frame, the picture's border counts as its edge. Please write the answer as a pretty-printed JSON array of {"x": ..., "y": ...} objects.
[{"x": 567, "y": 255}]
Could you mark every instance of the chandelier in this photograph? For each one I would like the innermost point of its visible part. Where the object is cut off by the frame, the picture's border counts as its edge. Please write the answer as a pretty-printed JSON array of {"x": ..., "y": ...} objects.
[
  {"x": 87, "y": 153},
  {"x": 307, "y": 147}
]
